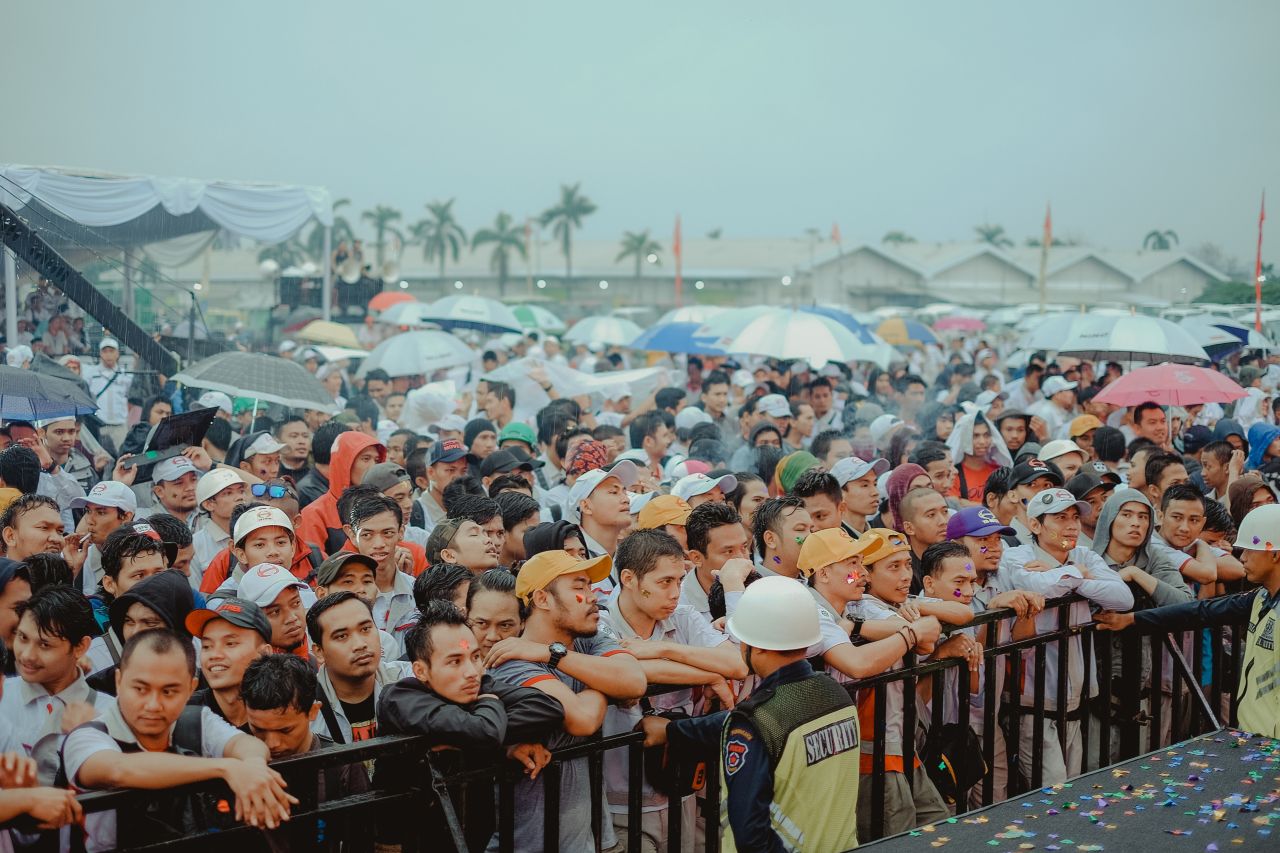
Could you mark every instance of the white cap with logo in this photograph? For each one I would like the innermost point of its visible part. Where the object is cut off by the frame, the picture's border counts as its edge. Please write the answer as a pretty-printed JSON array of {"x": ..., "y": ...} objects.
[
  {"x": 214, "y": 482},
  {"x": 258, "y": 518},
  {"x": 624, "y": 471},
  {"x": 263, "y": 584},
  {"x": 852, "y": 467},
  {"x": 173, "y": 468},
  {"x": 111, "y": 493},
  {"x": 699, "y": 484}
]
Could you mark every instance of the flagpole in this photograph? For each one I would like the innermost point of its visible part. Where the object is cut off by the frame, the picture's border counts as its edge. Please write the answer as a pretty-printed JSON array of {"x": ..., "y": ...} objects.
[
  {"x": 678, "y": 251},
  {"x": 1045, "y": 240},
  {"x": 1257, "y": 268}
]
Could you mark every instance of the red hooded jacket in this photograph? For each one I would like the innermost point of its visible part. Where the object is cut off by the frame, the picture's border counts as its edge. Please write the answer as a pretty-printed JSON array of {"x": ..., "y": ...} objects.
[{"x": 320, "y": 525}]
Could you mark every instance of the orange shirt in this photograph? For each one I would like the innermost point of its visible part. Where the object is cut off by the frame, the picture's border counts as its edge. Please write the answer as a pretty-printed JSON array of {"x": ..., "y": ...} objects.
[{"x": 975, "y": 480}]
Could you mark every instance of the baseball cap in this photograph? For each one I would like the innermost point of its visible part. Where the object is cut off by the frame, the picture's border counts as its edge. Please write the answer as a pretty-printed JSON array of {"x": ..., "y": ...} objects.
[
  {"x": 742, "y": 378},
  {"x": 690, "y": 416},
  {"x": 1107, "y": 475},
  {"x": 1059, "y": 447},
  {"x": 215, "y": 400},
  {"x": 245, "y": 404},
  {"x": 332, "y": 567},
  {"x": 1031, "y": 469},
  {"x": 173, "y": 468},
  {"x": 237, "y": 611},
  {"x": 663, "y": 509},
  {"x": 678, "y": 467},
  {"x": 986, "y": 398},
  {"x": 258, "y": 518},
  {"x": 263, "y": 444},
  {"x": 541, "y": 569},
  {"x": 111, "y": 493},
  {"x": 774, "y": 405},
  {"x": 507, "y": 459},
  {"x": 699, "y": 484},
  {"x": 882, "y": 426},
  {"x": 624, "y": 471},
  {"x": 449, "y": 450},
  {"x": 286, "y": 346},
  {"x": 1051, "y": 501},
  {"x": 1083, "y": 424},
  {"x": 517, "y": 431},
  {"x": 1012, "y": 413},
  {"x": 384, "y": 475},
  {"x": 108, "y": 342},
  {"x": 263, "y": 583},
  {"x": 976, "y": 521},
  {"x": 215, "y": 481},
  {"x": 1054, "y": 384},
  {"x": 1085, "y": 482},
  {"x": 1195, "y": 438},
  {"x": 449, "y": 423},
  {"x": 851, "y": 468},
  {"x": 889, "y": 542},
  {"x": 824, "y": 547}
]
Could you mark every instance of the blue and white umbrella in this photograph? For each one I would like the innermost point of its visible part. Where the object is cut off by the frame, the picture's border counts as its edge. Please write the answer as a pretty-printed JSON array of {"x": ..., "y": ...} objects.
[
  {"x": 787, "y": 333},
  {"x": 674, "y": 337},
  {"x": 691, "y": 314}
]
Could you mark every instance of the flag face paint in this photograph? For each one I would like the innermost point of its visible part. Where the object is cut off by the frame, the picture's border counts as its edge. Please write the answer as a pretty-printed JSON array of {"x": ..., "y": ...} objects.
[
  {"x": 465, "y": 645},
  {"x": 581, "y": 598}
]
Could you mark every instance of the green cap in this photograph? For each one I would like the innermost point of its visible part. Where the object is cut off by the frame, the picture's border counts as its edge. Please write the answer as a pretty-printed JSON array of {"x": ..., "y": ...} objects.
[
  {"x": 519, "y": 432},
  {"x": 245, "y": 404}
]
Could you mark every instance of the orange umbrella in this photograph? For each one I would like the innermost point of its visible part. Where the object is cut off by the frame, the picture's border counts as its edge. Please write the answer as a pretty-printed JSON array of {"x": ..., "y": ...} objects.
[{"x": 387, "y": 298}]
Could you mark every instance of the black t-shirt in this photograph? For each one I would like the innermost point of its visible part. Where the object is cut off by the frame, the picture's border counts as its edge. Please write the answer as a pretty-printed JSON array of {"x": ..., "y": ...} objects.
[
  {"x": 205, "y": 698},
  {"x": 363, "y": 720}
]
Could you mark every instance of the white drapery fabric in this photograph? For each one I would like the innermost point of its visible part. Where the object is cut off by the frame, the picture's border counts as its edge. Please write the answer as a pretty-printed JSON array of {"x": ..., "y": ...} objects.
[{"x": 266, "y": 213}]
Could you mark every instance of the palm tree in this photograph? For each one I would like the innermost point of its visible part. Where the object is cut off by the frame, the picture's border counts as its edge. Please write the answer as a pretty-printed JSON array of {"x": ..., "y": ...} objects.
[
  {"x": 506, "y": 237},
  {"x": 638, "y": 245},
  {"x": 287, "y": 253},
  {"x": 565, "y": 216},
  {"x": 994, "y": 234},
  {"x": 381, "y": 217},
  {"x": 440, "y": 234},
  {"x": 313, "y": 244},
  {"x": 897, "y": 238},
  {"x": 1160, "y": 240}
]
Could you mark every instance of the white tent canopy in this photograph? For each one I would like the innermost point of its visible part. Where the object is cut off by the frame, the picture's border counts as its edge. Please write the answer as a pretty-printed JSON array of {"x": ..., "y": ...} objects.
[{"x": 75, "y": 209}]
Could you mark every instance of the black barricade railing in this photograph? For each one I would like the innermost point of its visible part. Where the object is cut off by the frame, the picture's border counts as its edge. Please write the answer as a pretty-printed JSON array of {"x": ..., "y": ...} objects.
[{"x": 1200, "y": 667}]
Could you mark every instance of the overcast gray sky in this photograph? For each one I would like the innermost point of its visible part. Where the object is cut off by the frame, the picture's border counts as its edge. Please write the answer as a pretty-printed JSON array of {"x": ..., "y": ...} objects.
[{"x": 758, "y": 118}]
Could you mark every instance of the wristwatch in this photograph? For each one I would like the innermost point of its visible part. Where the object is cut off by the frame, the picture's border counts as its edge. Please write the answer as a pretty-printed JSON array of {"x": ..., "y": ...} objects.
[{"x": 558, "y": 651}]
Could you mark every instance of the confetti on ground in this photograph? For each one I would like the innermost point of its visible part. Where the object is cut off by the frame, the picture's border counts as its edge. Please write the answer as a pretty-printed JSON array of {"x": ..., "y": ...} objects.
[{"x": 1220, "y": 791}]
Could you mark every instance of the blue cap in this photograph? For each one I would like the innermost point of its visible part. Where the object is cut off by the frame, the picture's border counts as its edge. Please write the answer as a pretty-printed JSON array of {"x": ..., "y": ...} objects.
[
  {"x": 976, "y": 521},
  {"x": 449, "y": 450}
]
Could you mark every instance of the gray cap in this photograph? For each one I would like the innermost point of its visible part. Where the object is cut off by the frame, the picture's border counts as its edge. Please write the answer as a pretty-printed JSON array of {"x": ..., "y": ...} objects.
[{"x": 385, "y": 475}]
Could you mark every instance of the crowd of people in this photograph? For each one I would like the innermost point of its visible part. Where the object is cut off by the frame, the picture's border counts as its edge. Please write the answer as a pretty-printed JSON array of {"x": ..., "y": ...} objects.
[{"x": 758, "y": 536}]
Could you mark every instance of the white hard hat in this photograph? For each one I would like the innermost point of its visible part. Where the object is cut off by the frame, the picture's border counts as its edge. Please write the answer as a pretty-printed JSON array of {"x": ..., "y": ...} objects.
[
  {"x": 1260, "y": 530},
  {"x": 778, "y": 614}
]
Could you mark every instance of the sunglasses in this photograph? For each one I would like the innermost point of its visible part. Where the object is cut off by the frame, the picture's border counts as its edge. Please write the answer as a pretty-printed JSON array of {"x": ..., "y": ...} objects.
[{"x": 272, "y": 491}]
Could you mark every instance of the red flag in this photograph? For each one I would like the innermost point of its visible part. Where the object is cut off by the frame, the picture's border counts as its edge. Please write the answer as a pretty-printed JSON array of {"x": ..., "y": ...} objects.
[
  {"x": 678, "y": 250},
  {"x": 1048, "y": 225},
  {"x": 1257, "y": 267},
  {"x": 835, "y": 233}
]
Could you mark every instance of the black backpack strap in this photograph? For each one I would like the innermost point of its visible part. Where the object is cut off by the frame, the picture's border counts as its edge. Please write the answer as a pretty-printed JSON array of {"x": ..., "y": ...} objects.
[
  {"x": 188, "y": 732},
  {"x": 330, "y": 719},
  {"x": 964, "y": 486},
  {"x": 556, "y": 512}
]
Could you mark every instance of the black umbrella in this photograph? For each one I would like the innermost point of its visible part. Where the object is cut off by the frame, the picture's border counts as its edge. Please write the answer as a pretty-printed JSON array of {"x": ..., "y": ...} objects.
[
  {"x": 260, "y": 377},
  {"x": 29, "y": 396}
]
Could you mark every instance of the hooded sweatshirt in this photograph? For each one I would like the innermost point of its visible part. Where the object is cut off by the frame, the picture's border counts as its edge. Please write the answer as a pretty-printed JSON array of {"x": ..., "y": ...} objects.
[
  {"x": 320, "y": 525},
  {"x": 960, "y": 443},
  {"x": 168, "y": 594},
  {"x": 1261, "y": 434},
  {"x": 1157, "y": 562},
  {"x": 1252, "y": 408},
  {"x": 1225, "y": 427}
]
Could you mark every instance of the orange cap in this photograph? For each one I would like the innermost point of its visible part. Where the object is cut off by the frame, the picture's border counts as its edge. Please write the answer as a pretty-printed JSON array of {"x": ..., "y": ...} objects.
[
  {"x": 832, "y": 545},
  {"x": 541, "y": 569},
  {"x": 663, "y": 509},
  {"x": 891, "y": 542},
  {"x": 1083, "y": 424}
]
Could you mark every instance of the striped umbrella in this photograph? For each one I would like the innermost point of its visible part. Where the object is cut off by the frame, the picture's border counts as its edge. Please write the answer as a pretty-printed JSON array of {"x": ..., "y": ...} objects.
[
  {"x": 902, "y": 332},
  {"x": 674, "y": 337},
  {"x": 537, "y": 317}
]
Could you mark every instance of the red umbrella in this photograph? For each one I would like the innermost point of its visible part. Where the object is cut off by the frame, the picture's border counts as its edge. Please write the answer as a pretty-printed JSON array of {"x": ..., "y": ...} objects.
[
  {"x": 1171, "y": 384},
  {"x": 959, "y": 323},
  {"x": 387, "y": 298}
]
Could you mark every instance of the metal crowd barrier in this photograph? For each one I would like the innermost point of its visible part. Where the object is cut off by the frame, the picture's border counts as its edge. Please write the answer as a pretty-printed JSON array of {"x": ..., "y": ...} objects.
[{"x": 1200, "y": 691}]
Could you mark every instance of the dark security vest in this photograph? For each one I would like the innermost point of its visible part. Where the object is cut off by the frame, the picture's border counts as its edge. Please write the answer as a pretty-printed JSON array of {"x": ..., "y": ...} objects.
[{"x": 809, "y": 732}]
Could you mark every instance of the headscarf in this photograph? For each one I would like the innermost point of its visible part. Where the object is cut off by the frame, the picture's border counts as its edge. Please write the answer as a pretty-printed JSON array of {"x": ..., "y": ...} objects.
[
  {"x": 587, "y": 456},
  {"x": 898, "y": 484},
  {"x": 1251, "y": 409},
  {"x": 791, "y": 468},
  {"x": 961, "y": 441}
]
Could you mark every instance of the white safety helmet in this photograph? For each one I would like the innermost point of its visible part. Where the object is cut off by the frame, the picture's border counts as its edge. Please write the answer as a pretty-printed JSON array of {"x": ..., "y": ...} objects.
[
  {"x": 778, "y": 614},
  {"x": 1260, "y": 530}
]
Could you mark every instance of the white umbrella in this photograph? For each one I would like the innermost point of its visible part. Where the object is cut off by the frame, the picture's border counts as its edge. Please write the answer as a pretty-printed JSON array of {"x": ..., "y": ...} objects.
[
  {"x": 609, "y": 331},
  {"x": 1047, "y": 332},
  {"x": 414, "y": 353},
  {"x": 537, "y": 317},
  {"x": 340, "y": 353},
  {"x": 568, "y": 382},
  {"x": 406, "y": 314},
  {"x": 1133, "y": 338},
  {"x": 789, "y": 334},
  {"x": 462, "y": 311},
  {"x": 691, "y": 314}
]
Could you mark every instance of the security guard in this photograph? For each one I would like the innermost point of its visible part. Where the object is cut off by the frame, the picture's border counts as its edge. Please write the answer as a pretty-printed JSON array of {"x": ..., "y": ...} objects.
[
  {"x": 1259, "y": 690},
  {"x": 789, "y": 753}
]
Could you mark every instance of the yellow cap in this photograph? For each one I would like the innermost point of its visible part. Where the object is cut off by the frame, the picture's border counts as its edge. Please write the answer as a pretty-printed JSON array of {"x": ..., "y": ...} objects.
[
  {"x": 1083, "y": 424},
  {"x": 891, "y": 542},
  {"x": 833, "y": 545},
  {"x": 541, "y": 569},
  {"x": 663, "y": 509}
]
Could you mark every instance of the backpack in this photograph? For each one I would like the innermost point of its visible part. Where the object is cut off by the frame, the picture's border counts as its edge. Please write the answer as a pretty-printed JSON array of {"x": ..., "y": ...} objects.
[
  {"x": 167, "y": 814},
  {"x": 953, "y": 759},
  {"x": 666, "y": 775}
]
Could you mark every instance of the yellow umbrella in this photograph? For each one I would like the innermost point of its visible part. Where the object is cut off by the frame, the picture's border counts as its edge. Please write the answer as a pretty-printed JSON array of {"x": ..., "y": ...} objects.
[{"x": 328, "y": 332}]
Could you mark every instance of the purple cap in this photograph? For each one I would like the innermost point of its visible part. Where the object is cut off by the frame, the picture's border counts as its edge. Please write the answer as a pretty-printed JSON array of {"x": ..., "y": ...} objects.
[{"x": 976, "y": 521}]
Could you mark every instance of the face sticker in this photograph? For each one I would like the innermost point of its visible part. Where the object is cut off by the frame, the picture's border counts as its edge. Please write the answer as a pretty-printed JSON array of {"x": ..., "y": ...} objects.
[
  {"x": 851, "y": 578},
  {"x": 465, "y": 645},
  {"x": 799, "y": 540},
  {"x": 968, "y": 567},
  {"x": 956, "y": 593},
  {"x": 581, "y": 598},
  {"x": 983, "y": 549}
]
